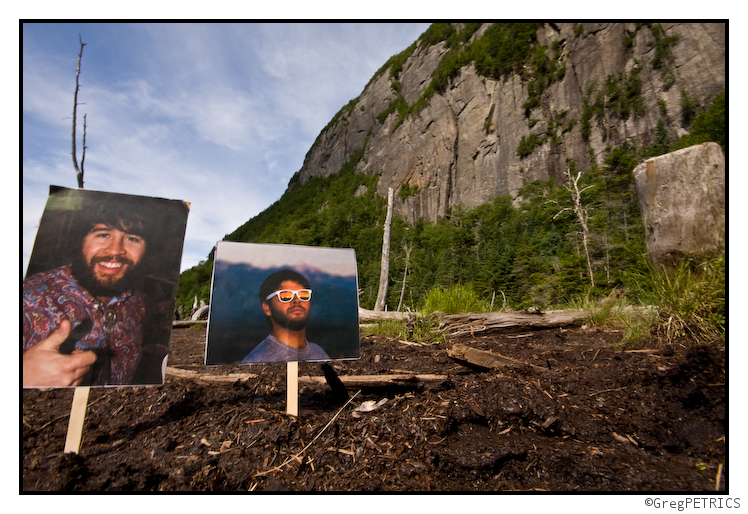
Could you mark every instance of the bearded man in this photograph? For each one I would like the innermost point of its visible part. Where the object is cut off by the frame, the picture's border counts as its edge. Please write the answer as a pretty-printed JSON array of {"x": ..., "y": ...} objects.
[
  {"x": 286, "y": 298},
  {"x": 83, "y": 322}
]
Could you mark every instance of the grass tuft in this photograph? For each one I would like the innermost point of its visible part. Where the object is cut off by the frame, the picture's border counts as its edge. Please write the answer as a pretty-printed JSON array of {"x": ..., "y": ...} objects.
[
  {"x": 691, "y": 299},
  {"x": 685, "y": 301},
  {"x": 388, "y": 328},
  {"x": 457, "y": 299}
]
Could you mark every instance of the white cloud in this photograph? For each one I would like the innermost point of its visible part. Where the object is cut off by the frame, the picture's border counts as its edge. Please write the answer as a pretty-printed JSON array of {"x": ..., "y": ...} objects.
[{"x": 217, "y": 115}]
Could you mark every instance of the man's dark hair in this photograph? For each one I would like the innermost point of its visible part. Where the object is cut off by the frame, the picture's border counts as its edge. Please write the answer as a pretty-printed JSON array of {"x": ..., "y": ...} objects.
[
  {"x": 274, "y": 280},
  {"x": 120, "y": 215}
]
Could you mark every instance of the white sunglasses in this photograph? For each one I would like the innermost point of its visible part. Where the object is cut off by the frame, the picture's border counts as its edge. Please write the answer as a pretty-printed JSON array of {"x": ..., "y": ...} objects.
[{"x": 286, "y": 295}]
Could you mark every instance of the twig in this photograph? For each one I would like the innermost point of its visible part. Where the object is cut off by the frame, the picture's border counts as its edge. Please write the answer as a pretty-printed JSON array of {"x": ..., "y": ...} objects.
[
  {"x": 47, "y": 424},
  {"x": 607, "y": 391},
  {"x": 295, "y": 457},
  {"x": 58, "y": 419},
  {"x": 719, "y": 476}
]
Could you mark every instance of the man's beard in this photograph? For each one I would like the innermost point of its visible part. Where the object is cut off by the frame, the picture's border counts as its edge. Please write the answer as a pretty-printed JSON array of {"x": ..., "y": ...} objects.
[
  {"x": 282, "y": 321},
  {"x": 84, "y": 274}
]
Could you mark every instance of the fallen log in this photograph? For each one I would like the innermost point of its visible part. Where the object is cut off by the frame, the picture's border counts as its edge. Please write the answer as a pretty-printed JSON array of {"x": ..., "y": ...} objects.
[
  {"x": 185, "y": 373},
  {"x": 462, "y": 324},
  {"x": 367, "y": 316},
  {"x": 400, "y": 379},
  {"x": 348, "y": 381},
  {"x": 188, "y": 323},
  {"x": 483, "y": 359}
]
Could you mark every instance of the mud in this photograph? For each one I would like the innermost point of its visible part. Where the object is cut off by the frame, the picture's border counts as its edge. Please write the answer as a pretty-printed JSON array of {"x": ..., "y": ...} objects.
[{"x": 580, "y": 414}]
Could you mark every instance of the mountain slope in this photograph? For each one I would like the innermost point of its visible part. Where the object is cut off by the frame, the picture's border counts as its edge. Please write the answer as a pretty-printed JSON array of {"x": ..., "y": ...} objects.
[
  {"x": 471, "y": 112},
  {"x": 473, "y": 126}
]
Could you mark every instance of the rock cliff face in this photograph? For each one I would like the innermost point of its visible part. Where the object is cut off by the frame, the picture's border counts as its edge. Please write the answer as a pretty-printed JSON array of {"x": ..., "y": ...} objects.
[{"x": 617, "y": 82}]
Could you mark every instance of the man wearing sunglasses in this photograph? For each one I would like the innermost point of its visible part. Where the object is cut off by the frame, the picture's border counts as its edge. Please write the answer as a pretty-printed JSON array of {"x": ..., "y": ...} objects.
[{"x": 286, "y": 298}]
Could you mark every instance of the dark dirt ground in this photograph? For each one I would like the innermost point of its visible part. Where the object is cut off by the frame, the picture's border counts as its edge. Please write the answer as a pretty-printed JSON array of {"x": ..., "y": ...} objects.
[{"x": 581, "y": 416}]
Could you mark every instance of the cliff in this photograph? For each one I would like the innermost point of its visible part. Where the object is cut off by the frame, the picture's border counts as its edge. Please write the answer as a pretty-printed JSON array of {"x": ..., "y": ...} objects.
[{"x": 578, "y": 91}]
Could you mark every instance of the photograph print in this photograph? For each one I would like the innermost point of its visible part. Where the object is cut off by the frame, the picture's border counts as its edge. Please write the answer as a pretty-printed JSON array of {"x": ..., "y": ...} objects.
[
  {"x": 282, "y": 303},
  {"x": 98, "y": 297}
]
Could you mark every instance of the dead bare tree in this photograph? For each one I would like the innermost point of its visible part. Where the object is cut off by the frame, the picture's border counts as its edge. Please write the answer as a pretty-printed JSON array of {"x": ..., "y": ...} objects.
[
  {"x": 408, "y": 248},
  {"x": 81, "y": 394},
  {"x": 78, "y": 170},
  {"x": 572, "y": 186},
  {"x": 384, "y": 273}
]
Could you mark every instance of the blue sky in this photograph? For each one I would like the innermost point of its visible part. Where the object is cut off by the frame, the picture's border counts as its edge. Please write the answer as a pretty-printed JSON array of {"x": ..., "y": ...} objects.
[{"x": 219, "y": 115}]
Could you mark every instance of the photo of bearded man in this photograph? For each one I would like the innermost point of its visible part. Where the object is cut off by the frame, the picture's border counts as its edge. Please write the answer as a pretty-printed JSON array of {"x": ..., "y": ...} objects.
[{"x": 90, "y": 320}]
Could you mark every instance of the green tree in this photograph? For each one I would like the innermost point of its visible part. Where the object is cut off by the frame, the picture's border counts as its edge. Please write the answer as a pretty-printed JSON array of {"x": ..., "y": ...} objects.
[{"x": 709, "y": 125}]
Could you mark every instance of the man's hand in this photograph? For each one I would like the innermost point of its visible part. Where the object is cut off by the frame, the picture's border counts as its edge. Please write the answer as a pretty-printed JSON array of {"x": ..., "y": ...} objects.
[{"x": 45, "y": 366}]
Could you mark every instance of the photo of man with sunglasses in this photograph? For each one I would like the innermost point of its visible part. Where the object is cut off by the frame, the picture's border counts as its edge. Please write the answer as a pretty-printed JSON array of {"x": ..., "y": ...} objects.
[{"x": 286, "y": 298}]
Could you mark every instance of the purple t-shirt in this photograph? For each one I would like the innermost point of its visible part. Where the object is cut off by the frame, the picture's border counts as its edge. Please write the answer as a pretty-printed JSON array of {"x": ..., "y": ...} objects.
[
  {"x": 54, "y": 295},
  {"x": 272, "y": 350}
]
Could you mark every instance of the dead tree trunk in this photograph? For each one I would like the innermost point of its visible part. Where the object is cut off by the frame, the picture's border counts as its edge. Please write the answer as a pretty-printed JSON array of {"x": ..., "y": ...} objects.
[
  {"x": 367, "y": 316},
  {"x": 572, "y": 186},
  {"x": 468, "y": 324},
  {"x": 385, "y": 270},
  {"x": 78, "y": 170},
  {"x": 408, "y": 249},
  {"x": 484, "y": 359},
  {"x": 399, "y": 379}
]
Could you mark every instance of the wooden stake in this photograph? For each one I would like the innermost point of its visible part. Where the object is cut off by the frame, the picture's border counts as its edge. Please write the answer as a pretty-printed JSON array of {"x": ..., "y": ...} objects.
[
  {"x": 77, "y": 416},
  {"x": 292, "y": 388}
]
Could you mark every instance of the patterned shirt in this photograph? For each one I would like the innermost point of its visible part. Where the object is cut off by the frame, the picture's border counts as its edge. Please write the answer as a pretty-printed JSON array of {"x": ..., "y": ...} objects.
[
  {"x": 54, "y": 295},
  {"x": 272, "y": 350}
]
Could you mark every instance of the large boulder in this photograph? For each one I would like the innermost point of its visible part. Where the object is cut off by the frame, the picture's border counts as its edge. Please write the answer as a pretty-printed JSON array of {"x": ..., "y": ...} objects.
[{"x": 682, "y": 199}]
